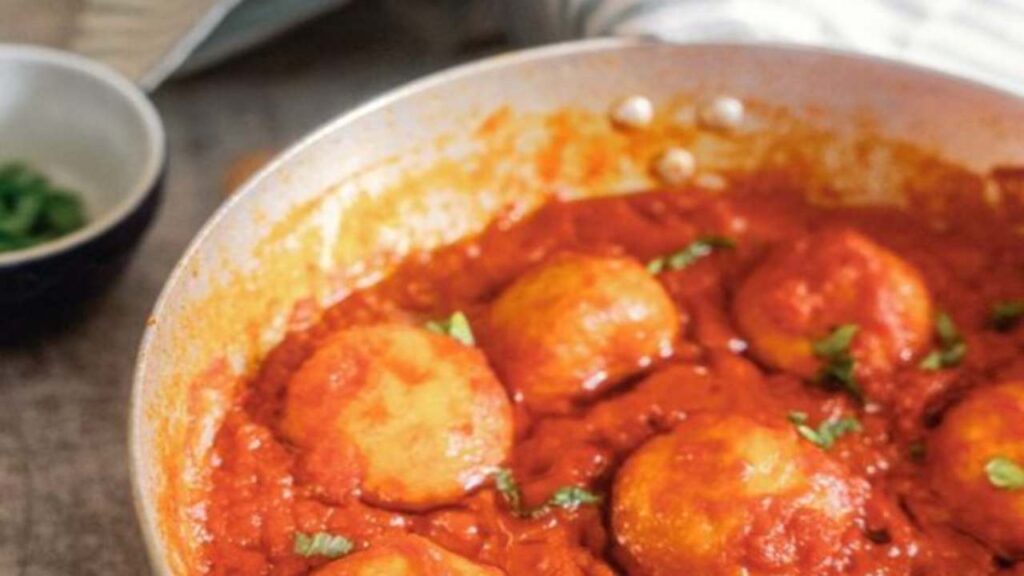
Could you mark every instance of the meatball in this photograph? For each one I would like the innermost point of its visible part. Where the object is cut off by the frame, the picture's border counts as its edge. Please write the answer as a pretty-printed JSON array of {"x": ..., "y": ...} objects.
[
  {"x": 406, "y": 555},
  {"x": 805, "y": 289},
  {"x": 983, "y": 429},
  {"x": 726, "y": 495},
  {"x": 409, "y": 418},
  {"x": 577, "y": 324}
]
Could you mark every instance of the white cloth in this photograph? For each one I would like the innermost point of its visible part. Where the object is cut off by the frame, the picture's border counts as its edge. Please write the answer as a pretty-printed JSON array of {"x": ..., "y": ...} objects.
[{"x": 980, "y": 39}]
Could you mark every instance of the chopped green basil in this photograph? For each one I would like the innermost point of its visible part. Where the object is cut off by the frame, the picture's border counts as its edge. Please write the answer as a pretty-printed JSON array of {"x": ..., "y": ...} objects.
[
  {"x": 1006, "y": 314},
  {"x": 1005, "y": 473},
  {"x": 509, "y": 489},
  {"x": 916, "y": 451},
  {"x": 945, "y": 328},
  {"x": 321, "y": 544},
  {"x": 827, "y": 433},
  {"x": 62, "y": 212},
  {"x": 32, "y": 211},
  {"x": 838, "y": 366},
  {"x": 952, "y": 347},
  {"x": 572, "y": 497},
  {"x": 566, "y": 497},
  {"x": 693, "y": 251},
  {"x": 837, "y": 342},
  {"x": 455, "y": 326}
]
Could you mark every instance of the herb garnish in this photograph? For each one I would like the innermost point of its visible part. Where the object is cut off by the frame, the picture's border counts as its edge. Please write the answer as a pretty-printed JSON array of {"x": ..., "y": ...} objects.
[
  {"x": 1005, "y": 473},
  {"x": 508, "y": 488},
  {"x": 916, "y": 451},
  {"x": 693, "y": 251},
  {"x": 572, "y": 497},
  {"x": 566, "y": 497},
  {"x": 321, "y": 544},
  {"x": 834, "y": 349},
  {"x": 951, "y": 345},
  {"x": 1006, "y": 314},
  {"x": 827, "y": 432},
  {"x": 455, "y": 326},
  {"x": 32, "y": 210}
]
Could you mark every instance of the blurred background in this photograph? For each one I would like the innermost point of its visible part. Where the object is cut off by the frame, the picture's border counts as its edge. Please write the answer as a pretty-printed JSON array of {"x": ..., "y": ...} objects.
[
  {"x": 149, "y": 40},
  {"x": 237, "y": 81}
]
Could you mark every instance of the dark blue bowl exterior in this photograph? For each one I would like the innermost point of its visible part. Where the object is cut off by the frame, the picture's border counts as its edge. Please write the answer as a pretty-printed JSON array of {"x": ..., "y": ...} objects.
[{"x": 45, "y": 294}]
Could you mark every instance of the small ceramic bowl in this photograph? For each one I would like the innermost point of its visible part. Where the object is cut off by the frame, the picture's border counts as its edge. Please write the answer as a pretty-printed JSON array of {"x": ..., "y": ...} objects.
[{"x": 92, "y": 131}]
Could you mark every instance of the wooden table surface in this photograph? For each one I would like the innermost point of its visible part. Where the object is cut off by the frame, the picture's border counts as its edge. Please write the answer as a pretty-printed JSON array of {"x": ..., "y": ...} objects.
[{"x": 65, "y": 498}]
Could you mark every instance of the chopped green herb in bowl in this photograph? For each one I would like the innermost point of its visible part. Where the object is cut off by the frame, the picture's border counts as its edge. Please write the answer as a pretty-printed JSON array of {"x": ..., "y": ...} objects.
[{"x": 33, "y": 210}]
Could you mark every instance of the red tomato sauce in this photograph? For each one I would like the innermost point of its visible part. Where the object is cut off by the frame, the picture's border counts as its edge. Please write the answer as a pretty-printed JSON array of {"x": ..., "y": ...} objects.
[{"x": 260, "y": 499}]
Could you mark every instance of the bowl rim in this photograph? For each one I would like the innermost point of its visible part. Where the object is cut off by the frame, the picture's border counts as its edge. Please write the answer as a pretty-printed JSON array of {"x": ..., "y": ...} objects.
[
  {"x": 155, "y": 143},
  {"x": 146, "y": 509}
]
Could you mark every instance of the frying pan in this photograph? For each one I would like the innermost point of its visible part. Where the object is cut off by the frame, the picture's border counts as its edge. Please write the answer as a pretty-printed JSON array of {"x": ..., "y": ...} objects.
[{"x": 437, "y": 160}]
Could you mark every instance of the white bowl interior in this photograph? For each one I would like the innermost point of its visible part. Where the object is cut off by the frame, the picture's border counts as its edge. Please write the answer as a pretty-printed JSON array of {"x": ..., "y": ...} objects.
[
  {"x": 232, "y": 292},
  {"x": 81, "y": 125}
]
